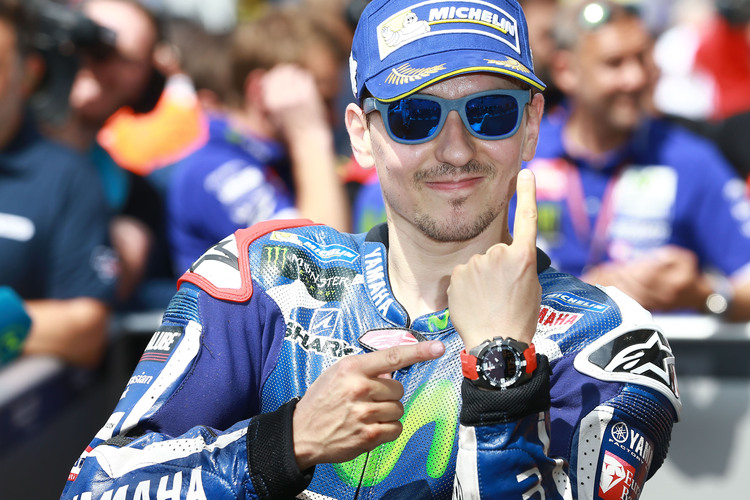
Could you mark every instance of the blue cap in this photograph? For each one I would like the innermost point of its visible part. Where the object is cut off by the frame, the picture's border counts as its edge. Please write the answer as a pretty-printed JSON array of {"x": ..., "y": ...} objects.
[{"x": 402, "y": 46}]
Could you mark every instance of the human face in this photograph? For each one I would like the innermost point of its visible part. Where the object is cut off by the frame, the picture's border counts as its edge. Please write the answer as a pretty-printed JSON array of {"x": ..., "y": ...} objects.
[
  {"x": 456, "y": 186},
  {"x": 611, "y": 74},
  {"x": 103, "y": 86}
]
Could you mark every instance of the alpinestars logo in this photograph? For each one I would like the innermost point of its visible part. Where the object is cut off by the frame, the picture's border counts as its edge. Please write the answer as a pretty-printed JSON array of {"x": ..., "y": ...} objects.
[
  {"x": 641, "y": 356},
  {"x": 220, "y": 265},
  {"x": 650, "y": 355}
]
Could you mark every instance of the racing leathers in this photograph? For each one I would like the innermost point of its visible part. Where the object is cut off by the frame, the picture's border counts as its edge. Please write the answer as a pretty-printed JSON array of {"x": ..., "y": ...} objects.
[{"x": 208, "y": 411}]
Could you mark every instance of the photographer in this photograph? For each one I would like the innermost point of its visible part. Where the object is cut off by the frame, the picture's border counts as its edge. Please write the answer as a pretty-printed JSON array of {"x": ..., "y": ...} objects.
[
  {"x": 106, "y": 81},
  {"x": 57, "y": 266}
]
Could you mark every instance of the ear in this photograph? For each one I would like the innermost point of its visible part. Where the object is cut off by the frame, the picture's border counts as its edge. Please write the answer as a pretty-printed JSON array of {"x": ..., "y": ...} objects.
[
  {"x": 533, "y": 122},
  {"x": 563, "y": 69},
  {"x": 359, "y": 135}
]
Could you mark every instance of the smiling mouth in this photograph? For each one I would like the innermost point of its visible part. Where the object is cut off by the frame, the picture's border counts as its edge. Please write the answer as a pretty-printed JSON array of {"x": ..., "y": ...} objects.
[{"x": 454, "y": 184}]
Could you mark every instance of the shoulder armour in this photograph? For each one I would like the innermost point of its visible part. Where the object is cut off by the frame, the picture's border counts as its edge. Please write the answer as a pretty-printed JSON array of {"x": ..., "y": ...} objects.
[
  {"x": 224, "y": 270},
  {"x": 636, "y": 352}
]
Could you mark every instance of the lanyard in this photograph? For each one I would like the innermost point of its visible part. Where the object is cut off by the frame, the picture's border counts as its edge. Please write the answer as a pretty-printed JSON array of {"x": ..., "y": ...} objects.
[{"x": 596, "y": 238}]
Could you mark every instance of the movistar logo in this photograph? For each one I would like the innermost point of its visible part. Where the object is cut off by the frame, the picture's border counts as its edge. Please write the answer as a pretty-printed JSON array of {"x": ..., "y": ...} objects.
[
  {"x": 436, "y": 323},
  {"x": 434, "y": 402}
]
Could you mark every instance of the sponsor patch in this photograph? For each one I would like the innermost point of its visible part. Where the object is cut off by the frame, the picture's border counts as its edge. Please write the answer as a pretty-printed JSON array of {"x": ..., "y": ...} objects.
[
  {"x": 510, "y": 64},
  {"x": 324, "y": 321},
  {"x": 380, "y": 339},
  {"x": 161, "y": 345},
  {"x": 323, "y": 253},
  {"x": 617, "y": 479},
  {"x": 640, "y": 356},
  {"x": 573, "y": 300},
  {"x": 405, "y": 73},
  {"x": 325, "y": 346},
  {"x": 434, "y": 17},
  {"x": 323, "y": 283},
  {"x": 377, "y": 282},
  {"x": 220, "y": 265},
  {"x": 175, "y": 485},
  {"x": 552, "y": 322}
]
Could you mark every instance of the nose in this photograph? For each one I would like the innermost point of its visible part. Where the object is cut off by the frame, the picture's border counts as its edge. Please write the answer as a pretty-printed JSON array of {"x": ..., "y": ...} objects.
[{"x": 454, "y": 144}]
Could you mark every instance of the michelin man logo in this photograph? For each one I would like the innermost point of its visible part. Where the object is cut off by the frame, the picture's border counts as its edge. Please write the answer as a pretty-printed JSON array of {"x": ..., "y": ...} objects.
[
  {"x": 411, "y": 27},
  {"x": 399, "y": 30}
]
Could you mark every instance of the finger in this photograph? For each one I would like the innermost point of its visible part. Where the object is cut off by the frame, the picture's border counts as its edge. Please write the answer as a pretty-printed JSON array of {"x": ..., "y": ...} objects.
[
  {"x": 386, "y": 390},
  {"x": 383, "y": 412},
  {"x": 525, "y": 225},
  {"x": 401, "y": 356}
]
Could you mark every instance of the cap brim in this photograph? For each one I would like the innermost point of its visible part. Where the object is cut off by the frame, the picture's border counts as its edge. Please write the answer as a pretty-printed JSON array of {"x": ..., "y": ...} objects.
[{"x": 408, "y": 77}]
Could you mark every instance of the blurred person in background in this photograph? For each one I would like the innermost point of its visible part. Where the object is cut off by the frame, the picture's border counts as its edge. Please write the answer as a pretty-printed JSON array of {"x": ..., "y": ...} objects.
[
  {"x": 705, "y": 74},
  {"x": 270, "y": 154},
  {"x": 628, "y": 200},
  {"x": 146, "y": 142},
  {"x": 541, "y": 15},
  {"x": 126, "y": 75},
  {"x": 57, "y": 264}
]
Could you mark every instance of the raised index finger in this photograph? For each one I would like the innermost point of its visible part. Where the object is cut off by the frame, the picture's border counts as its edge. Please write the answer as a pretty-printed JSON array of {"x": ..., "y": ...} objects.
[
  {"x": 524, "y": 227},
  {"x": 401, "y": 356}
]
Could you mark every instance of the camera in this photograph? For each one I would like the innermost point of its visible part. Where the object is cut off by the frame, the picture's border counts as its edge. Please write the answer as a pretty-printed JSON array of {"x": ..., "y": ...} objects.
[{"x": 61, "y": 36}]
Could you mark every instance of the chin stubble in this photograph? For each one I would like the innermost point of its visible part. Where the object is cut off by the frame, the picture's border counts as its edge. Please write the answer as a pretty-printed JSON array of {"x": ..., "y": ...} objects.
[{"x": 452, "y": 229}]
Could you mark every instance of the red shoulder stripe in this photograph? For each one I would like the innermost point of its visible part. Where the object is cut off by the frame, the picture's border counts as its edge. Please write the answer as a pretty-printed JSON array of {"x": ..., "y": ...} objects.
[{"x": 244, "y": 237}]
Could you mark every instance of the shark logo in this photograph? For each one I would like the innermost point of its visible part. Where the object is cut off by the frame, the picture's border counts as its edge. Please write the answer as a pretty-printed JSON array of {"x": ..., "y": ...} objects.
[{"x": 324, "y": 321}]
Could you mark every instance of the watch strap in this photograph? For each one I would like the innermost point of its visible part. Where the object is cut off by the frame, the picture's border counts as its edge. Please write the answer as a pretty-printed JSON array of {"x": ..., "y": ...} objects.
[
  {"x": 469, "y": 365},
  {"x": 529, "y": 354},
  {"x": 482, "y": 408}
]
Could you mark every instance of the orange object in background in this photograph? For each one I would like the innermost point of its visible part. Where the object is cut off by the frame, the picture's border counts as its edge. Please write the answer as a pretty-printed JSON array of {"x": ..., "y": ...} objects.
[{"x": 146, "y": 142}]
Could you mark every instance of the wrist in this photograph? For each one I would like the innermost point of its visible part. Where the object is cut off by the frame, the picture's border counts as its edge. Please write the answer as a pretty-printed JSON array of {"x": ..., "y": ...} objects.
[{"x": 499, "y": 363}]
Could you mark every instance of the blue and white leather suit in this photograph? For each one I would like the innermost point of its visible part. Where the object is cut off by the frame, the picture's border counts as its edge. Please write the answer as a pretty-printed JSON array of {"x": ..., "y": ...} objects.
[{"x": 208, "y": 411}]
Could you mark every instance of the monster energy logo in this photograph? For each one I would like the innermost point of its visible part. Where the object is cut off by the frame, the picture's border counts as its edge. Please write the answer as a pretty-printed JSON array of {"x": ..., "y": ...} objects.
[
  {"x": 325, "y": 284},
  {"x": 275, "y": 255},
  {"x": 434, "y": 402}
]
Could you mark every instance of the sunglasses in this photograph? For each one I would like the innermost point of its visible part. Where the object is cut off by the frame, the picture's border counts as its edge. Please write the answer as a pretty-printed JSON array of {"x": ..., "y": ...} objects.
[{"x": 489, "y": 115}]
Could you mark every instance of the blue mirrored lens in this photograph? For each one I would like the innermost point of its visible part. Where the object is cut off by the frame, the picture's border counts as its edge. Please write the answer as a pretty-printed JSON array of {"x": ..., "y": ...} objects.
[
  {"x": 492, "y": 115},
  {"x": 413, "y": 119}
]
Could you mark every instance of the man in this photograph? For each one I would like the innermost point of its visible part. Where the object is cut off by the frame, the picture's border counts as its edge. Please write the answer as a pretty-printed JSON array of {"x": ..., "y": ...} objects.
[
  {"x": 626, "y": 200},
  {"x": 270, "y": 154},
  {"x": 104, "y": 83},
  {"x": 57, "y": 264},
  {"x": 297, "y": 358}
]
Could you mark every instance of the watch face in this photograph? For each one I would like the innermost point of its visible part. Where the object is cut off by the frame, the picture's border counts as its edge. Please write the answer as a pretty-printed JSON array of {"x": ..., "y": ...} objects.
[{"x": 501, "y": 366}]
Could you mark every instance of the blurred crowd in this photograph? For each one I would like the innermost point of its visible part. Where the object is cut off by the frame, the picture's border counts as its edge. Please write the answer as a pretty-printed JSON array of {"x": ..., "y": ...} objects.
[{"x": 135, "y": 134}]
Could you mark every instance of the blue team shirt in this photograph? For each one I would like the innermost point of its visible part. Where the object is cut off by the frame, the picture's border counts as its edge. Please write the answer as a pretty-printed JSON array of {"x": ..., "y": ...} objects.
[
  {"x": 667, "y": 186},
  {"x": 232, "y": 182},
  {"x": 53, "y": 222}
]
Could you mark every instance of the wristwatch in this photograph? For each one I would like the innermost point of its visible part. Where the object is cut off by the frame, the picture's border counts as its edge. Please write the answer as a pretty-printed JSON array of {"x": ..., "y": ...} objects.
[
  {"x": 499, "y": 363},
  {"x": 720, "y": 300}
]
